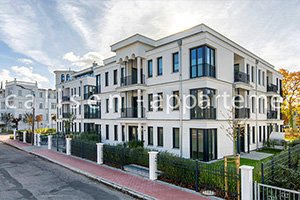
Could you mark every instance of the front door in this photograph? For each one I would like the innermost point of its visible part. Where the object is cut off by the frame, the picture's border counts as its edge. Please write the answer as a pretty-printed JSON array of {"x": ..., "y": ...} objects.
[{"x": 133, "y": 133}]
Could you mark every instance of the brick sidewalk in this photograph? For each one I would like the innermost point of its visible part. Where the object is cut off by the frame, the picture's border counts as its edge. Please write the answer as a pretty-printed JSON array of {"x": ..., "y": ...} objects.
[{"x": 140, "y": 185}]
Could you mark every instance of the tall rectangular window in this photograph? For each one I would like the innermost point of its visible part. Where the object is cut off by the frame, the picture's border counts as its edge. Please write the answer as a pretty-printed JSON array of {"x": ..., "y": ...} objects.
[
  {"x": 107, "y": 105},
  {"x": 150, "y": 68},
  {"x": 253, "y": 104},
  {"x": 252, "y": 74},
  {"x": 79, "y": 91},
  {"x": 150, "y": 135},
  {"x": 116, "y": 104},
  {"x": 176, "y": 100},
  {"x": 122, "y": 75},
  {"x": 107, "y": 131},
  {"x": 260, "y": 136},
  {"x": 263, "y": 78},
  {"x": 123, "y": 133},
  {"x": 150, "y": 102},
  {"x": 202, "y": 62},
  {"x": 160, "y": 101},
  {"x": 253, "y": 134},
  {"x": 115, "y": 77},
  {"x": 176, "y": 138},
  {"x": 264, "y": 133},
  {"x": 159, "y": 66},
  {"x": 98, "y": 83},
  {"x": 116, "y": 132},
  {"x": 175, "y": 59},
  {"x": 160, "y": 136},
  {"x": 106, "y": 78},
  {"x": 259, "y": 77}
]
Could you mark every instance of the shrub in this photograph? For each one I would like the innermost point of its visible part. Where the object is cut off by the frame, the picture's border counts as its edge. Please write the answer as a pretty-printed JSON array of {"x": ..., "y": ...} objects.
[
  {"x": 294, "y": 143},
  {"x": 46, "y": 131},
  {"x": 86, "y": 137},
  {"x": 134, "y": 144}
]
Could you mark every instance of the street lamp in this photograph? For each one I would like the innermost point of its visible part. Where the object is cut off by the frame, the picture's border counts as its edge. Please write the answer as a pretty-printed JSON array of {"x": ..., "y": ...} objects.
[{"x": 33, "y": 110}]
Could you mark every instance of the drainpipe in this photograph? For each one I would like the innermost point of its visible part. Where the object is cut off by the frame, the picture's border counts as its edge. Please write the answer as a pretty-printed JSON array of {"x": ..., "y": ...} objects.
[
  {"x": 179, "y": 42},
  {"x": 257, "y": 106}
]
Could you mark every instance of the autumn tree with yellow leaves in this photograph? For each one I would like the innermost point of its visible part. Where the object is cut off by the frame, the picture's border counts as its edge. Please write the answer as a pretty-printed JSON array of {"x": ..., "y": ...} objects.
[{"x": 290, "y": 107}]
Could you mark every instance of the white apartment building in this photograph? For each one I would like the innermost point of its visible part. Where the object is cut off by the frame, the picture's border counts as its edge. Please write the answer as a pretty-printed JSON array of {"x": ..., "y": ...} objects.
[
  {"x": 196, "y": 61},
  {"x": 17, "y": 98}
]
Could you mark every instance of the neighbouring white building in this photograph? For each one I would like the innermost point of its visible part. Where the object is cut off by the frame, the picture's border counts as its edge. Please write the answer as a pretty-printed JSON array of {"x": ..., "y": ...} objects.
[
  {"x": 17, "y": 98},
  {"x": 196, "y": 61}
]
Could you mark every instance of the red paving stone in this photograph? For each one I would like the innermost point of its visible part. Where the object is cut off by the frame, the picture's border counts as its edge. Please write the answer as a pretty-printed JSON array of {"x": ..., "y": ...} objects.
[
  {"x": 150, "y": 188},
  {"x": 16, "y": 143}
]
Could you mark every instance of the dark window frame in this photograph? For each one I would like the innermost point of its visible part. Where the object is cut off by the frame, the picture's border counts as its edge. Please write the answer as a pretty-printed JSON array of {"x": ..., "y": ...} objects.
[
  {"x": 107, "y": 131},
  {"x": 175, "y": 66},
  {"x": 116, "y": 132},
  {"x": 159, "y": 72},
  {"x": 150, "y": 68},
  {"x": 115, "y": 76},
  {"x": 106, "y": 79},
  {"x": 176, "y": 144},
  {"x": 150, "y": 141},
  {"x": 160, "y": 143},
  {"x": 211, "y": 72}
]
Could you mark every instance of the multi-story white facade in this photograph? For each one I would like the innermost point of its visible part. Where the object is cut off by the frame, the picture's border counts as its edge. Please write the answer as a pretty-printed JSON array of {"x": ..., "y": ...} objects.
[
  {"x": 193, "y": 62},
  {"x": 17, "y": 98}
]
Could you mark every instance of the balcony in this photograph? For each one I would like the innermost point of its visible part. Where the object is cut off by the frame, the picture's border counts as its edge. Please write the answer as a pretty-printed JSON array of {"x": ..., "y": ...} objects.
[
  {"x": 272, "y": 88},
  {"x": 203, "y": 113},
  {"x": 131, "y": 80},
  {"x": 89, "y": 115},
  {"x": 65, "y": 98},
  {"x": 272, "y": 114},
  {"x": 242, "y": 113},
  {"x": 132, "y": 113},
  {"x": 66, "y": 115},
  {"x": 241, "y": 77}
]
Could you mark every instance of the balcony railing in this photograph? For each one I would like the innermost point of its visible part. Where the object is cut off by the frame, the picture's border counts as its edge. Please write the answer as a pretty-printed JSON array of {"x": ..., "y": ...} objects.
[
  {"x": 272, "y": 114},
  {"x": 242, "y": 113},
  {"x": 131, "y": 80},
  {"x": 203, "y": 113},
  {"x": 271, "y": 88},
  {"x": 241, "y": 77},
  {"x": 96, "y": 115},
  {"x": 65, "y": 98},
  {"x": 132, "y": 112},
  {"x": 66, "y": 115}
]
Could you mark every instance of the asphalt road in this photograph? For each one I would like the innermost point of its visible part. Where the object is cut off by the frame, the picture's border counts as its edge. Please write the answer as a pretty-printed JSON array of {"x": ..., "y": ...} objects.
[{"x": 25, "y": 176}]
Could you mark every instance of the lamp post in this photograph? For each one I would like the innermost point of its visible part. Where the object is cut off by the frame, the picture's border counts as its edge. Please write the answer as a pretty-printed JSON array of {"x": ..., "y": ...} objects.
[{"x": 33, "y": 110}]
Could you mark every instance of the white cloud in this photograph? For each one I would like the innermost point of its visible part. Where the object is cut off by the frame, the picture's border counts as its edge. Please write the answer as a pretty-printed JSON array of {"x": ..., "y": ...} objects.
[
  {"x": 27, "y": 74},
  {"x": 83, "y": 61},
  {"x": 5, "y": 76},
  {"x": 25, "y": 61}
]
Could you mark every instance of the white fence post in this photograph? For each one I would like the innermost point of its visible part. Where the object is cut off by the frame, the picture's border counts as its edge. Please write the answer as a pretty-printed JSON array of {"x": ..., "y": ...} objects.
[
  {"x": 49, "y": 142},
  {"x": 15, "y": 134},
  {"x": 247, "y": 182},
  {"x": 100, "y": 153},
  {"x": 24, "y": 136},
  {"x": 68, "y": 146},
  {"x": 39, "y": 140},
  {"x": 152, "y": 165},
  {"x": 34, "y": 139}
]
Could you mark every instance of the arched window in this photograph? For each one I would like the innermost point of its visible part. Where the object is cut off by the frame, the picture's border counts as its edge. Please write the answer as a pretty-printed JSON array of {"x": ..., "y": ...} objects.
[
  {"x": 62, "y": 78},
  {"x": 68, "y": 77}
]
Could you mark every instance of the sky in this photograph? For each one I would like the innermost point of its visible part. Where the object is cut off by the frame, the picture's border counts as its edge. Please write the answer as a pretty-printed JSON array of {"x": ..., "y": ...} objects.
[{"x": 40, "y": 36}]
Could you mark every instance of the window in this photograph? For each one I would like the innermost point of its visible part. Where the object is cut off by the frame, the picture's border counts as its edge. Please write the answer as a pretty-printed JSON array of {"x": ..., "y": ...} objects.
[
  {"x": 160, "y": 101},
  {"x": 202, "y": 62},
  {"x": 264, "y": 133},
  {"x": 150, "y": 135},
  {"x": 115, "y": 77},
  {"x": 98, "y": 84},
  {"x": 263, "y": 78},
  {"x": 252, "y": 74},
  {"x": 175, "y": 58},
  {"x": 20, "y": 105},
  {"x": 150, "y": 68},
  {"x": 71, "y": 91},
  {"x": 176, "y": 138},
  {"x": 203, "y": 107},
  {"x": 79, "y": 109},
  {"x": 41, "y": 94},
  {"x": 68, "y": 77},
  {"x": 106, "y": 78},
  {"x": 263, "y": 105},
  {"x": 19, "y": 93},
  {"x": 203, "y": 144},
  {"x": 248, "y": 69},
  {"x": 53, "y": 105},
  {"x": 107, "y": 105},
  {"x": 116, "y": 104},
  {"x": 41, "y": 106},
  {"x": 260, "y": 136},
  {"x": 253, "y": 104},
  {"x": 123, "y": 133},
  {"x": 160, "y": 136},
  {"x": 159, "y": 66},
  {"x": 62, "y": 78},
  {"x": 116, "y": 132},
  {"x": 79, "y": 91},
  {"x": 150, "y": 102},
  {"x": 253, "y": 134},
  {"x": 107, "y": 131},
  {"x": 259, "y": 105},
  {"x": 259, "y": 76},
  {"x": 176, "y": 100}
]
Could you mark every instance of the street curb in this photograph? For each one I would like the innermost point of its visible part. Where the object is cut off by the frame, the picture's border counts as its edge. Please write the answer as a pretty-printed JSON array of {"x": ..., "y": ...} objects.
[{"x": 102, "y": 180}]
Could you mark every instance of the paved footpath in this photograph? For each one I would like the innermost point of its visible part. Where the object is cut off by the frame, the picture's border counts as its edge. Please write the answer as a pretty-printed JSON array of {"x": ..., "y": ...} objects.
[{"x": 139, "y": 186}]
